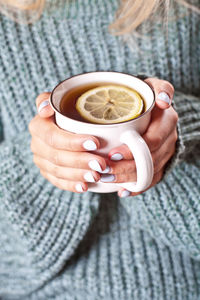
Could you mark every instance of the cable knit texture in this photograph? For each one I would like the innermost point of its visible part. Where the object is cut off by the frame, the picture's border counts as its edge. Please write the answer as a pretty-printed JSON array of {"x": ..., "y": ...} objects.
[{"x": 60, "y": 245}]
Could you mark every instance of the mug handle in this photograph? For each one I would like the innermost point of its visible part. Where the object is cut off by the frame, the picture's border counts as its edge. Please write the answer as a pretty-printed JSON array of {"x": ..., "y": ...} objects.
[{"x": 143, "y": 161}]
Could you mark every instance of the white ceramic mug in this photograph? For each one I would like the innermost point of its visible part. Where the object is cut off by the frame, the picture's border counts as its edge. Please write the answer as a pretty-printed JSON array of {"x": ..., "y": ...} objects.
[{"x": 112, "y": 135}]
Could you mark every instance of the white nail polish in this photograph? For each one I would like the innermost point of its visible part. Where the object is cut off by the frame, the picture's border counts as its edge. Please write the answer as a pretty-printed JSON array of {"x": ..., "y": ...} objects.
[
  {"x": 164, "y": 97},
  {"x": 125, "y": 193},
  {"x": 107, "y": 170},
  {"x": 90, "y": 145},
  {"x": 117, "y": 156},
  {"x": 42, "y": 105},
  {"x": 79, "y": 188},
  {"x": 89, "y": 177},
  {"x": 94, "y": 165},
  {"x": 107, "y": 178}
]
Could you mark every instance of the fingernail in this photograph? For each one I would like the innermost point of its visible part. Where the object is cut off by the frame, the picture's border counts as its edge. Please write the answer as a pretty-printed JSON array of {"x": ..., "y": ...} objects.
[
  {"x": 90, "y": 145},
  {"x": 94, "y": 165},
  {"x": 89, "y": 177},
  {"x": 107, "y": 170},
  {"x": 164, "y": 97},
  {"x": 125, "y": 193},
  {"x": 79, "y": 188},
  {"x": 117, "y": 156},
  {"x": 42, "y": 105},
  {"x": 107, "y": 178}
]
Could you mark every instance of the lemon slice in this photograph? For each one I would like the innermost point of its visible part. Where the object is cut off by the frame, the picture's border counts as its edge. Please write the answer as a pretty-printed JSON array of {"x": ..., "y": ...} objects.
[{"x": 109, "y": 104}]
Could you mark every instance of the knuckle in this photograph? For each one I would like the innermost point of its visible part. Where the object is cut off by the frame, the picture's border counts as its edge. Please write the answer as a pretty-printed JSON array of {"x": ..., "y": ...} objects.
[
  {"x": 175, "y": 135},
  {"x": 157, "y": 177},
  {"x": 34, "y": 125},
  {"x": 156, "y": 142},
  {"x": 170, "y": 86},
  {"x": 38, "y": 98},
  {"x": 175, "y": 117}
]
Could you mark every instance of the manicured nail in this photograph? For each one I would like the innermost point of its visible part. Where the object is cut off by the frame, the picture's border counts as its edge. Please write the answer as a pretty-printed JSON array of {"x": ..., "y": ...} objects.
[
  {"x": 79, "y": 188},
  {"x": 107, "y": 170},
  {"x": 42, "y": 105},
  {"x": 117, "y": 156},
  {"x": 90, "y": 145},
  {"x": 94, "y": 165},
  {"x": 107, "y": 178},
  {"x": 164, "y": 97},
  {"x": 125, "y": 193},
  {"x": 89, "y": 177}
]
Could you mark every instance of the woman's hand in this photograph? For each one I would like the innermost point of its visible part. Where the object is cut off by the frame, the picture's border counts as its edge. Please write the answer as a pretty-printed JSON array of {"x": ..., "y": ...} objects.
[
  {"x": 161, "y": 137},
  {"x": 63, "y": 157}
]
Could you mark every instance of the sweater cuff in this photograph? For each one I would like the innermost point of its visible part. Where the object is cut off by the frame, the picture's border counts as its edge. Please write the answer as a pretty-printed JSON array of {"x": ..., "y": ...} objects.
[
  {"x": 188, "y": 127},
  {"x": 188, "y": 109}
]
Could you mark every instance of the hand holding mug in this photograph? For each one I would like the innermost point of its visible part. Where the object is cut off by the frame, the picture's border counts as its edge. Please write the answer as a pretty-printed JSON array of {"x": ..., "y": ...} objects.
[
  {"x": 64, "y": 159},
  {"x": 161, "y": 137},
  {"x": 70, "y": 174}
]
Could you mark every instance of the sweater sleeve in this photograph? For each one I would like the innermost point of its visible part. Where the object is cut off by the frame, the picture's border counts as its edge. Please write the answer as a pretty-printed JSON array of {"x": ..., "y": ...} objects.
[
  {"x": 52, "y": 222},
  {"x": 188, "y": 108},
  {"x": 170, "y": 211}
]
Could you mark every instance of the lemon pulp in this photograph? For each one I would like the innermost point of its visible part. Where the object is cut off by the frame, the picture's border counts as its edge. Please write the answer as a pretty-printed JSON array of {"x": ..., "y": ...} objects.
[{"x": 109, "y": 104}]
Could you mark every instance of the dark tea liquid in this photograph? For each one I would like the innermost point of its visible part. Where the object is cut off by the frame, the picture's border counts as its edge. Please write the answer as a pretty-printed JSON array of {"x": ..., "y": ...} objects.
[{"x": 68, "y": 101}]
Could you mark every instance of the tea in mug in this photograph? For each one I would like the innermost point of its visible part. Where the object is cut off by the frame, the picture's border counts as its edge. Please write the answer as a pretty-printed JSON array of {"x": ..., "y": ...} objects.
[
  {"x": 68, "y": 101},
  {"x": 102, "y": 103}
]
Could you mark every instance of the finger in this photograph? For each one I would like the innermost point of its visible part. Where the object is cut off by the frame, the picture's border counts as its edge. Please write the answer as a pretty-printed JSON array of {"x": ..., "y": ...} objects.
[
  {"x": 76, "y": 187},
  {"x": 119, "y": 153},
  {"x": 164, "y": 91},
  {"x": 117, "y": 178},
  {"x": 125, "y": 171},
  {"x": 47, "y": 130},
  {"x": 119, "y": 167},
  {"x": 122, "y": 171},
  {"x": 71, "y": 174},
  {"x": 78, "y": 160},
  {"x": 161, "y": 126},
  {"x": 157, "y": 178},
  {"x": 43, "y": 105}
]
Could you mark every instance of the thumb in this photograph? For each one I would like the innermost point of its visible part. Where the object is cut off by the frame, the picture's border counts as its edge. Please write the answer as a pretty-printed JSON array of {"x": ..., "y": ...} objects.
[
  {"x": 43, "y": 106},
  {"x": 164, "y": 92}
]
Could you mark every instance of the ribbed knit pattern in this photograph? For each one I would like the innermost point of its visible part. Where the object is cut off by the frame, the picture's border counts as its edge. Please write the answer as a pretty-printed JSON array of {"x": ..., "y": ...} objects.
[{"x": 60, "y": 245}]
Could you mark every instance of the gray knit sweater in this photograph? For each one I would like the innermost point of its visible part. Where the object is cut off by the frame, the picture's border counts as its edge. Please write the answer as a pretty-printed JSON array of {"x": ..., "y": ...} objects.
[{"x": 60, "y": 245}]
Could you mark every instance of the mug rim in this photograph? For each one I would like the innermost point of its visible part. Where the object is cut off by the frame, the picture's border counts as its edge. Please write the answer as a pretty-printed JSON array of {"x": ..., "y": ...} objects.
[{"x": 96, "y": 124}]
